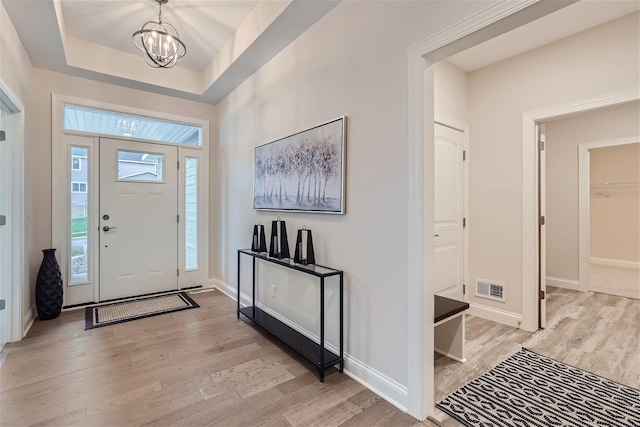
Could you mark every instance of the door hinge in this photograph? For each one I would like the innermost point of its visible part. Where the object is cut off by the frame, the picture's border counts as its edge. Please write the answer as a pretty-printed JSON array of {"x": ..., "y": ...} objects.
[
  {"x": 177, "y": 272},
  {"x": 3, "y": 304},
  {"x": 464, "y": 155},
  {"x": 541, "y": 145},
  {"x": 178, "y": 164},
  {"x": 543, "y": 220},
  {"x": 464, "y": 222},
  {"x": 541, "y": 294},
  {"x": 464, "y": 289},
  {"x": 178, "y": 218},
  {"x": 3, "y": 135}
]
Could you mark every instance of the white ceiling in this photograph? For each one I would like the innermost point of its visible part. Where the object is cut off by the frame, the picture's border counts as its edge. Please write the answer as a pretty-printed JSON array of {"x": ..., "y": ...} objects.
[
  {"x": 228, "y": 40},
  {"x": 204, "y": 26},
  {"x": 565, "y": 22}
]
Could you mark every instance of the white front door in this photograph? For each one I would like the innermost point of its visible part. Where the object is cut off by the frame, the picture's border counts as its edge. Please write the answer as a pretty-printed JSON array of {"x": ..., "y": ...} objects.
[
  {"x": 138, "y": 218},
  {"x": 449, "y": 212}
]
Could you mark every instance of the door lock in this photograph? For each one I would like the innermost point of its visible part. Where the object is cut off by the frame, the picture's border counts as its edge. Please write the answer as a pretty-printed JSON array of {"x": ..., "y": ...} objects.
[{"x": 107, "y": 228}]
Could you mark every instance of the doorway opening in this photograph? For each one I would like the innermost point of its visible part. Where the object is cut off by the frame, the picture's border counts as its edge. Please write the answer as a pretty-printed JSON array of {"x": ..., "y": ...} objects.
[
  {"x": 614, "y": 218},
  {"x": 11, "y": 216},
  {"x": 574, "y": 196}
]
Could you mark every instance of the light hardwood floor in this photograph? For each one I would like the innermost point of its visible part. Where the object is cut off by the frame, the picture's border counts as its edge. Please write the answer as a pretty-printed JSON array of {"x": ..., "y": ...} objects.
[
  {"x": 204, "y": 367},
  {"x": 596, "y": 332},
  {"x": 194, "y": 367}
]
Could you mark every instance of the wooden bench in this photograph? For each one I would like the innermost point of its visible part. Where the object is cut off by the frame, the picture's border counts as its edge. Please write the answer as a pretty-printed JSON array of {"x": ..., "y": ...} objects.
[{"x": 449, "y": 327}]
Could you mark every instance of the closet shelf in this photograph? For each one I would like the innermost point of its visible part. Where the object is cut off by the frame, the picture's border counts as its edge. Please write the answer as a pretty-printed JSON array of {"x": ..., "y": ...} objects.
[{"x": 615, "y": 189}]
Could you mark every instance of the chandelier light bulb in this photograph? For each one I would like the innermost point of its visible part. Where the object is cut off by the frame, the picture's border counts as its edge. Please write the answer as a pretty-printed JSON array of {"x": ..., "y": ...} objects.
[{"x": 159, "y": 42}]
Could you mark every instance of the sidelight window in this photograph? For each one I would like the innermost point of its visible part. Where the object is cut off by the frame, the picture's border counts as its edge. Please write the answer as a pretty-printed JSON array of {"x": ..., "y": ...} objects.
[
  {"x": 191, "y": 213},
  {"x": 79, "y": 253}
]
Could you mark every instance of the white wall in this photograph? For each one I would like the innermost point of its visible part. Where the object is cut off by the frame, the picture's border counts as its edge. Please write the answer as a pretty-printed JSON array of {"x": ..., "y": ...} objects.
[
  {"x": 450, "y": 91},
  {"x": 353, "y": 62},
  {"x": 15, "y": 72},
  {"x": 594, "y": 63},
  {"x": 562, "y": 139},
  {"x": 615, "y": 213}
]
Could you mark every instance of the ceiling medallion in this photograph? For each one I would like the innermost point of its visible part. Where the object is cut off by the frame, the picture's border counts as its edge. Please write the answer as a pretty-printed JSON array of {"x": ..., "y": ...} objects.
[{"x": 159, "y": 42}]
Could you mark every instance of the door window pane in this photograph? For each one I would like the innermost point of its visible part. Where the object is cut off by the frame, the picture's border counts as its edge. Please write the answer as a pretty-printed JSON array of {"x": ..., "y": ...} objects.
[
  {"x": 138, "y": 166},
  {"x": 191, "y": 213},
  {"x": 79, "y": 248}
]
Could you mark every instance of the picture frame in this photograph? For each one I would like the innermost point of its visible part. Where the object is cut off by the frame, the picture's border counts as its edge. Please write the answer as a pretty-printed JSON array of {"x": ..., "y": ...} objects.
[{"x": 302, "y": 172}]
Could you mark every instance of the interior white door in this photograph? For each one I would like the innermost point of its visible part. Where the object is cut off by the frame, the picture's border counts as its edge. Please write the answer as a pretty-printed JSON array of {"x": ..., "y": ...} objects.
[
  {"x": 449, "y": 212},
  {"x": 542, "y": 233},
  {"x": 6, "y": 245},
  {"x": 138, "y": 219}
]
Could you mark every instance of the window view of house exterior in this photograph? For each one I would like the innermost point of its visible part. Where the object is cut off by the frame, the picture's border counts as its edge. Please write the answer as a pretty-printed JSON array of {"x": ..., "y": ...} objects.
[
  {"x": 137, "y": 166},
  {"x": 191, "y": 213},
  {"x": 79, "y": 209}
]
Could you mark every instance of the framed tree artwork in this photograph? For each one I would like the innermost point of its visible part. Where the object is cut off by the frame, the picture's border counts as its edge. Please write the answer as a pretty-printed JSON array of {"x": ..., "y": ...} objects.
[{"x": 303, "y": 172}]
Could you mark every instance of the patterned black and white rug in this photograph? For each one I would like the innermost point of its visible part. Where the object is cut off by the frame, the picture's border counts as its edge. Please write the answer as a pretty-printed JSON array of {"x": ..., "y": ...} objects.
[
  {"x": 109, "y": 314},
  {"x": 528, "y": 389}
]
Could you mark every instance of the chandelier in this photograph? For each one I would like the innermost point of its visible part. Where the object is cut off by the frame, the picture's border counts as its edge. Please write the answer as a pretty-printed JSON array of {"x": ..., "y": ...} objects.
[
  {"x": 127, "y": 126},
  {"x": 159, "y": 42}
]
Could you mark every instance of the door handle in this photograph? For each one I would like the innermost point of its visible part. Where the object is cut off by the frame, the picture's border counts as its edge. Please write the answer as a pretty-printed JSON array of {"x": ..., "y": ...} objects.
[
  {"x": 107, "y": 228},
  {"x": 435, "y": 235}
]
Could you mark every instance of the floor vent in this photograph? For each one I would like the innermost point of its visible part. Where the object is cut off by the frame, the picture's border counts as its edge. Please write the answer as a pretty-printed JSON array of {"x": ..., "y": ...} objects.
[{"x": 490, "y": 290}]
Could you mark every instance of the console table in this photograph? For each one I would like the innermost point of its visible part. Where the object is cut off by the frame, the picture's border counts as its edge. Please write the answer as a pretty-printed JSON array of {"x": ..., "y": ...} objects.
[
  {"x": 316, "y": 353},
  {"x": 449, "y": 327}
]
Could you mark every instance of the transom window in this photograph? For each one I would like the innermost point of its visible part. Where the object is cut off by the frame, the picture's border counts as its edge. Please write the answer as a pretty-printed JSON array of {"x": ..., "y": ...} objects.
[{"x": 105, "y": 122}]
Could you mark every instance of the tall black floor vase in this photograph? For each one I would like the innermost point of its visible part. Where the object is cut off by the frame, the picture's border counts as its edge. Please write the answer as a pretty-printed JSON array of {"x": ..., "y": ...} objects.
[{"x": 49, "y": 287}]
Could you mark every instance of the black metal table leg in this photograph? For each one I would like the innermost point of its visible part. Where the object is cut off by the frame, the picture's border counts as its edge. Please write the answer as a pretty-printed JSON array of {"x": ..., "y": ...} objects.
[
  {"x": 341, "y": 324},
  {"x": 253, "y": 302},
  {"x": 322, "y": 329},
  {"x": 238, "y": 294}
]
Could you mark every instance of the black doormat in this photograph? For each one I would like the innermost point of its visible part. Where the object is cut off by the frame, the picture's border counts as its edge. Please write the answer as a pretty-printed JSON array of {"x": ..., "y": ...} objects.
[
  {"x": 110, "y": 314},
  {"x": 528, "y": 389}
]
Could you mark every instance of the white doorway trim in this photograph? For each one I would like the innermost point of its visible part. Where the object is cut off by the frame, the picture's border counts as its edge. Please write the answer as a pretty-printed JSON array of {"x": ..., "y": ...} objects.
[
  {"x": 18, "y": 324},
  {"x": 495, "y": 20},
  {"x": 584, "y": 198}
]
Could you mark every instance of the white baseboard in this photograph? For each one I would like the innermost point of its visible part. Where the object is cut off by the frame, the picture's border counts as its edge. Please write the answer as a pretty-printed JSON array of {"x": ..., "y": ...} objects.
[
  {"x": 496, "y": 315},
  {"x": 615, "y": 263},
  {"x": 27, "y": 321},
  {"x": 385, "y": 387},
  {"x": 563, "y": 283}
]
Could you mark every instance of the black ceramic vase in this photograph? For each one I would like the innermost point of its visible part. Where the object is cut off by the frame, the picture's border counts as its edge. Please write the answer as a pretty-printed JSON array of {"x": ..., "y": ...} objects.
[{"x": 49, "y": 287}]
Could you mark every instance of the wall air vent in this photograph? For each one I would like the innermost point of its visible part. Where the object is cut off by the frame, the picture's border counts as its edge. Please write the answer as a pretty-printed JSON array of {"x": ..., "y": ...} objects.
[{"x": 490, "y": 289}]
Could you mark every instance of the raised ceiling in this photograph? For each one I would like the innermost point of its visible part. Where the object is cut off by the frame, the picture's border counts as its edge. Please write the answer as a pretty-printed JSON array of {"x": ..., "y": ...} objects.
[
  {"x": 204, "y": 26},
  {"x": 227, "y": 40}
]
